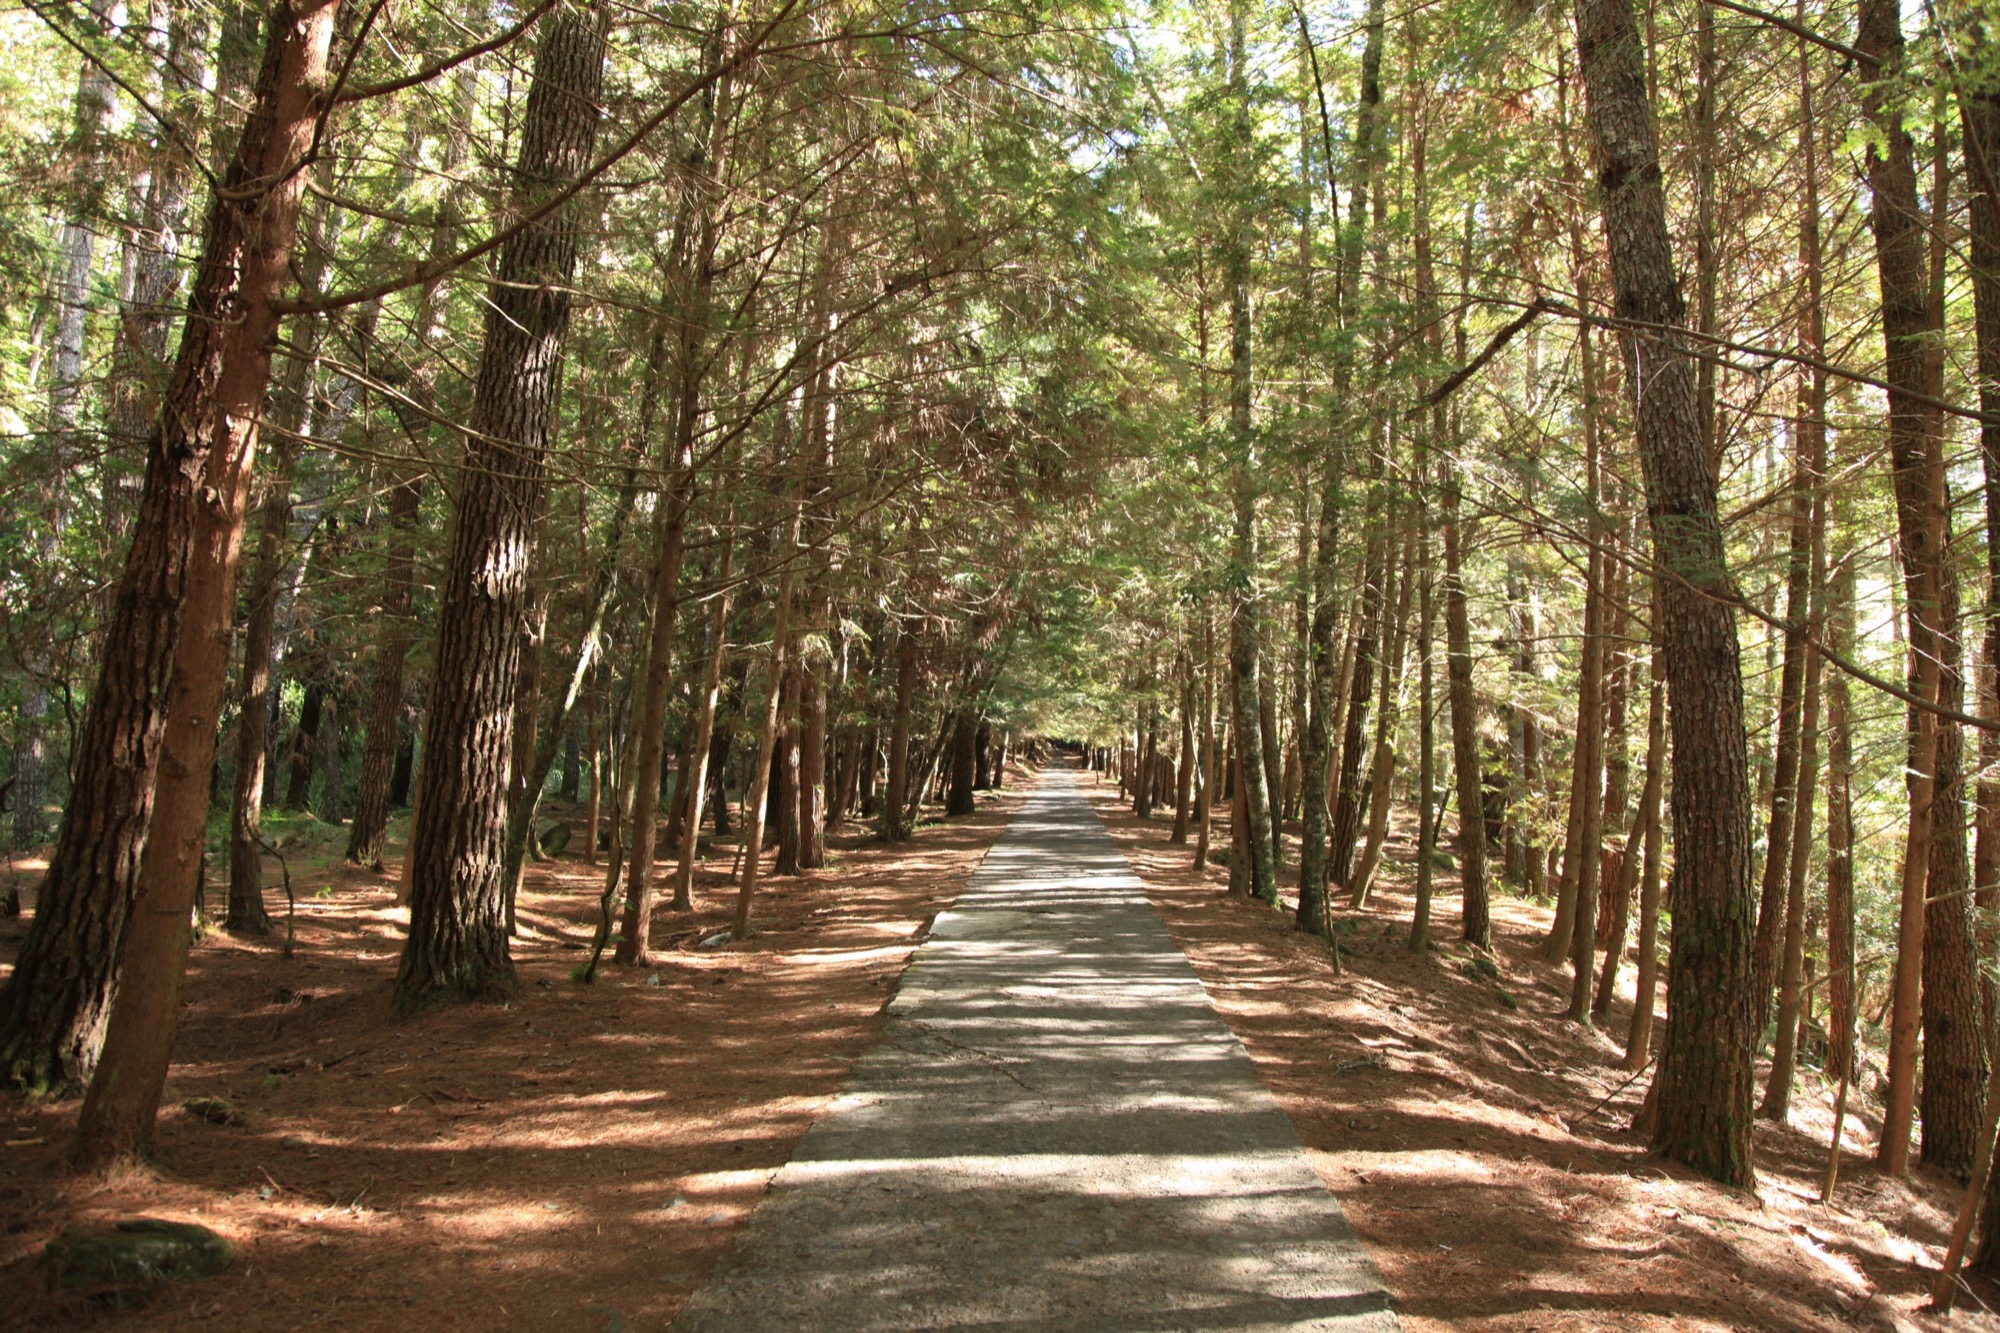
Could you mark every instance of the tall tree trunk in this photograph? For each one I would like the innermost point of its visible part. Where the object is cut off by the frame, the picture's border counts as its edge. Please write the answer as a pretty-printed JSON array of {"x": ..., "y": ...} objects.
[
  {"x": 1184, "y": 773},
  {"x": 1255, "y": 837},
  {"x": 871, "y": 770},
  {"x": 1806, "y": 592},
  {"x": 1703, "y": 1088},
  {"x": 897, "y": 793},
  {"x": 784, "y": 812},
  {"x": 305, "y": 745},
  {"x": 1956, "y": 1032},
  {"x": 1388, "y": 712},
  {"x": 1786, "y": 783},
  {"x": 812, "y": 759},
  {"x": 404, "y": 773},
  {"x": 1346, "y": 800},
  {"x": 964, "y": 743},
  {"x": 1420, "y": 920},
  {"x": 1242, "y": 858},
  {"x": 1791, "y": 972},
  {"x": 1954, "y": 1047},
  {"x": 1146, "y": 746},
  {"x": 1527, "y": 634},
  {"x": 56, "y": 1002},
  {"x": 1911, "y": 370},
  {"x": 593, "y": 804},
  {"x": 1267, "y": 725},
  {"x": 385, "y": 690},
  {"x": 246, "y": 913},
  {"x": 1840, "y": 959},
  {"x": 457, "y": 946},
  {"x": 1588, "y": 790},
  {"x": 212, "y": 411},
  {"x": 1581, "y": 852},
  {"x": 694, "y": 780},
  {"x": 328, "y": 809},
  {"x": 767, "y": 741},
  {"x": 720, "y": 747},
  {"x": 1620, "y": 671},
  {"x": 522, "y": 798},
  {"x": 1639, "y": 1035},
  {"x": 1639, "y": 866},
  {"x": 1316, "y": 746},
  {"x": 1477, "y": 927},
  {"x": 651, "y": 715},
  {"x": 375, "y": 793},
  {"x": 1979, "y": 105},
  {"x": 1204, "y": 795}
]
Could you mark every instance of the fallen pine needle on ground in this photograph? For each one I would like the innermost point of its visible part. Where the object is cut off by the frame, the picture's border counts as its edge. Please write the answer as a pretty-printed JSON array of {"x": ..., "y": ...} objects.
[
  {"x": 575, "y": 1159},
  {"x": 1446, "y": 1108}
]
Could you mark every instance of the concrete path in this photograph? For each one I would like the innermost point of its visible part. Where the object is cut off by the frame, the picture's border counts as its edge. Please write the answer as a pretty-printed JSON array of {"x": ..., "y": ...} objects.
[{"x": 1056, "y": 1132}]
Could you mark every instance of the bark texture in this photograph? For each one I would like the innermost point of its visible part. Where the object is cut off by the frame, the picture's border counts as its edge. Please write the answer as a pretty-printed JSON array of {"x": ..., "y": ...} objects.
[
  {"x": 252, "y": 223},
  {"x": 56, "y": 1002},
  {"x": 1703, "y": 1088},
  {"x": 385, "y": 690},
  {"x": 457, "y": 947}
]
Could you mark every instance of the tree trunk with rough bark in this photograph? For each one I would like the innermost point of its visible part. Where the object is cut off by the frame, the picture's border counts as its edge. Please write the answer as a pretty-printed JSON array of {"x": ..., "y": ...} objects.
[
  {"x": 246, "y": 913},
  {"x": 767, "y": 741},
  {"x": 56, "y": 1003},
  {"x": 812, "y": 761},
  {"x": 964, "y": 762},
  {"x": 1467, "y": 768},
  {"x": 1808, "y": 568},
  {"x": 1184, "y": 771},
  {"x": 1323, "y": 673},
  {"x": 304, "y": 747},
  {"x": 1840, "y": 959},
  {"x": 897, "y": 793},
  {"x": 1641, "y": 840},
  {"x": 1911, "y": 369},
  {"x": 327, "y": 811},
  {"x": 1979, "y": 106},
  {"x": 1254, "y": 839},
  {"x": 694, "y": 782},
  {"x": 1639, "y": 1035},
  {"x": 457, "y": 946},
  {"x": 650, "y": 719},
  {"x": 214, "y": 407},
  {"x": 385, "y": 691},
  {"x": 1703, "y": 1087},
  {"x": 1388, "y": 712}
]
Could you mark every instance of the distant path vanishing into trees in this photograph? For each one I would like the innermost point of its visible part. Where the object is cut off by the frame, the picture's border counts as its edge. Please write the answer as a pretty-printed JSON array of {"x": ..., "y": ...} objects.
[{"x": 1056, "y": 1131}]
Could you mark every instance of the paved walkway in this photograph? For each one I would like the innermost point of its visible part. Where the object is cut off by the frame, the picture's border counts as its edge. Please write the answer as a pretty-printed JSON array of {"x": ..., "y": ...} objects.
[{"x": 1056, "y": 1132}]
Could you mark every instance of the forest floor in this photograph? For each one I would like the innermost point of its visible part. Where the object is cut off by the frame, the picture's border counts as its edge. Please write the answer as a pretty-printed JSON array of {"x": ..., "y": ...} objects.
[
  {"x": 580, "y": 1158},
  {"x": 576, "y": 1159},
  {"x": 1458, "y": 1119}
]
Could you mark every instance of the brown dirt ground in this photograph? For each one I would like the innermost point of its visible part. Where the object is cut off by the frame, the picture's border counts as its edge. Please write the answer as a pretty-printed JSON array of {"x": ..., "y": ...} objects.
[
  {"x": 1450, "y": 1114},
  {"x": 576, "y": 1159}
]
